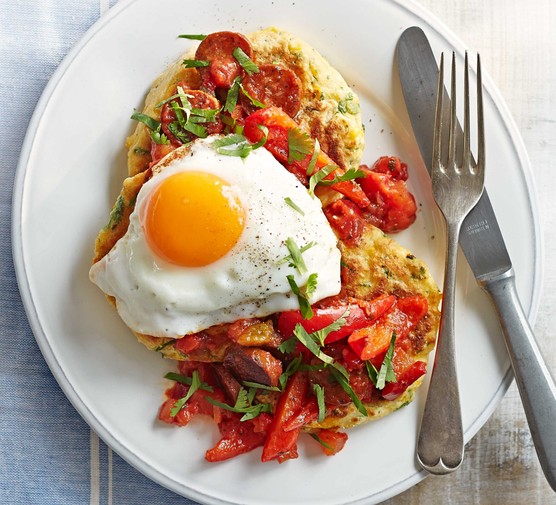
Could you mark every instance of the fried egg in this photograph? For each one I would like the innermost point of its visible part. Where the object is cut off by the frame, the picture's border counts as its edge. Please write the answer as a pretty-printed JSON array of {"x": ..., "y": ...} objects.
[{"x": 207, "y": 244}]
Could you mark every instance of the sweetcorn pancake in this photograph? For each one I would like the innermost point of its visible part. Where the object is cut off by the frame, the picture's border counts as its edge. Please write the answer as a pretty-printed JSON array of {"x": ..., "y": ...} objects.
[{"x": 249, "y": 244}]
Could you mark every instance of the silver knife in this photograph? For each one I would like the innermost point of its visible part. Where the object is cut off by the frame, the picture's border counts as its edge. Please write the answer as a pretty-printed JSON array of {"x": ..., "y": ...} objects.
[{"x": 486, "y": 253}]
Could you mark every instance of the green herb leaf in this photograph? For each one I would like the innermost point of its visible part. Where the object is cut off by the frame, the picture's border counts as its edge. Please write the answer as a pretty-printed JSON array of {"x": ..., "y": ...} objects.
[
  {"x": 196, "y": 129},
  {"x": 320, "y": 335},
  {"x": 293, "y": 205},
  {"x": 288, "y": 346},
  {"x": 184, "y": 379},
  {"x": 350, "y": 174},
  {"x": 313, "y": 161},
  {"x": 232, "y": 96},
  {"x": 348, "y": 105},
  {"x": 292, "y": 367},
  {"x": 254, "y": 101},
  {"x": 321, "y": 441},
  {"x": 148, "y": 121},
  {"x": 319, "y": 393},
  {"x": 195, "y": 63},
  {"x": 372, "y": 372},
  {"x": 311, "y": 285},
  {"x": 386, "y": 372},
  {"x": 159, "y": 138},
  {"x": 195, "y": 385},
  {"x": 236, "y": 145},
  {"x": 116, "y": 213},
  {"x": 344, "y": 383},
  {"x": 164, "y": 345},
  {"x": 248, "y": 65},
  {"x": 319, "y": 176},
  {"x": 289, "y": 258},
  {"x": 297, "y": 260},
  {"x": 261, "y": 142},
  {"x": 257, "y": 385},
  {"x": 192, "y": 37},
  {"x": 300, "y": 144},
  {"x": 302, "y": 298},
  {"x": 244, "y": 405}
]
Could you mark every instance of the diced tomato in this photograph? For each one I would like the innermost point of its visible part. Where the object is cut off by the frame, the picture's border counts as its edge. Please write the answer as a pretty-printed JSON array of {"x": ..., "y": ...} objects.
[
  {"x": 307, "y": 414},
  {"x": 403, "y": 380},
  {"x": 239, "y": 437},
  {"x": 332, "y": 441},
  {"x": 323, "y": 317},
  {"x": 281, "y": 444},
  {"x": 346, "y": 219},
  {"x": 189, "y": 343},
  {"x": 392, "y": 206},
  {"x": 278, "y": 123},
  {"x": 373, "y": 340},
  {"x": 158, "y": 151},
  {"x": 391, "y": 165},
  {"x": 377, "y": 306}
]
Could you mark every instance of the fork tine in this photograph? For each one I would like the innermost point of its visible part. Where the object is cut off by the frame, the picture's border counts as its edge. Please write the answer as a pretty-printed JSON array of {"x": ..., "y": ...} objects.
[
  {"x": 438, "y": 124},
  {"x": 466, "y": 157},
  {"x": 452, "y": 164},
  {"x": 480, "y": 119}
]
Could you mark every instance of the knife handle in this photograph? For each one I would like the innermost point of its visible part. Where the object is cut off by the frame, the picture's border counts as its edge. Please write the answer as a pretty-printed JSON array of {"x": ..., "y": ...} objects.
[{"x": 536, "y": 385}]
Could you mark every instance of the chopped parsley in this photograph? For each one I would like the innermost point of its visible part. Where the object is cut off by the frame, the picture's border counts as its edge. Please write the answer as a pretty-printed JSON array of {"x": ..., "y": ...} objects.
[
  {"x": 192, "y": 37},
  {"x": 344, "y": 383},
  {"x": 236, "y": 144},
  {"x": 195, "y": 385},
  {"x": 247, "y": 63},
  {"x": 292, "y": 367},
  {"x": 319, "y": 393},
  {"x": 300, "y": 144},
  {"x": 303, "y": 293},
  {"x": 313, "y": 161},
  {"x": 319, "y": 176},
  {"x": 195, "y": 63},
  {"x": 288, "y": 346},
  {"x": 243, "y": 405},
  {"x": 148, "y": 121},
  {"x": 386, "y": 372},
  {"x": 232, "y": 95},
  {"x": 293, "y": 205},
  {"x": 350, "y": 174},
  {"x": 254, "y": 101},
  {"x": 321, "y": 441},
  {"x": 116, "y": 213}
]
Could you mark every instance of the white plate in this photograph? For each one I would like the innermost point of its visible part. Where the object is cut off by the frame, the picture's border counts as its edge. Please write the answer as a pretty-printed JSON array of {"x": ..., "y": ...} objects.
[{"x": 72, "y": 165}]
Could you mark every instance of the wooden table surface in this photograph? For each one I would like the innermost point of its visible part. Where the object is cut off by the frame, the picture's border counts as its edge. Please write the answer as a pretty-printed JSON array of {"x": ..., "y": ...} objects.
[{"x": 517, "y": 44}]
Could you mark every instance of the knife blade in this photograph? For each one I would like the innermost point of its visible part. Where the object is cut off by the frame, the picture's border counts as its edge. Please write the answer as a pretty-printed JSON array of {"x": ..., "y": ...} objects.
[{"x": 484, "y": 248}]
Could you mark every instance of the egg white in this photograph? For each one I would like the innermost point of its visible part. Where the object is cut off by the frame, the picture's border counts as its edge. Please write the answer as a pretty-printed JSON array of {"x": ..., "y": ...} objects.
[{"x": 158, "y": 298}]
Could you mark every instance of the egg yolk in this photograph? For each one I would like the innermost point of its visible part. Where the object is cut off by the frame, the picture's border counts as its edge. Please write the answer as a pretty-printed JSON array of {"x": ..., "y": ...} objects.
[{"x": 193, "y": 219}]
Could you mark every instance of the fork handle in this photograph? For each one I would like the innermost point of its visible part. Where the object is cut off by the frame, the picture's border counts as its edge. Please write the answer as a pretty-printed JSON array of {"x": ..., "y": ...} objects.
[
  {"x": 440, "y": 443},
  {"x": 536, "y": 385}
]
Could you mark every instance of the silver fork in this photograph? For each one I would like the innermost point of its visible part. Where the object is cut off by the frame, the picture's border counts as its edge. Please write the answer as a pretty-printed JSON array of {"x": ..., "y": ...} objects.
[{"x": 457, "y": 185}]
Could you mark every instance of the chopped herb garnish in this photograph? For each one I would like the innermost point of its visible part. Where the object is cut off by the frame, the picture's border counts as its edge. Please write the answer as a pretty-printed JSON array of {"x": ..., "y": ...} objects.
[
  {"x": 296, "y": 256},
  {"x": 350, "y": 174},
  {"x": 319, "y": 176},
  {"x": 304, "y": 293},
  {"x": 300, "y": 144},
  {"x": 319, "y": 393},
  {"x": 254, "y": 101},
  {"x": 386, "y": 372},
  {"x": 313, "y": 161},
  {"x": 194, "y": 386},
  {"x": 321, "y": 441},
  {"x": 344, "y": 383},
  {"x": 188, "y": 381},
  {"x": 140, "y": 151},
  {"x": 192, "y": 37},
  {"x": 292, "y": 367},
  {"x": 348, "y": 105},
  {"x": 164, "y": 345},
  {"x": 257, "y": 385},
  {"x": 232, "y": 95},
  {"x": 372, "y": 372},
  {"x": 116, "y": 213},
  {"x": 293, "y": 205},
  {"x": 238, "y": 145},
  {"x": 195, "y": 63},
  {"x": 158, "y": 137},
  {"x": 148, "y": 121},
  {"x": 288, "y": 346},
  {"x": 320, "y": 335},
  {"x": 248, "y": 65},
  {"x": 289, "y": 257},
  {"x": 243, "y": 405}
]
